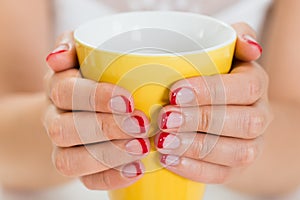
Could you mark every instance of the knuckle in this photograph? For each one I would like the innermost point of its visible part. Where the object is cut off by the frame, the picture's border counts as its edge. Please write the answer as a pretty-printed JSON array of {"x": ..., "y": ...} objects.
[
  {"x": 213, "y": 92},
  {"x": 197, "y": 149},
  {"x": 256, "y": 126},
  {"x": 60, "y": 92},
  {"x": 245, "y": 153},
  {"x": 255, "y": 90},
  {"x": 57, "y": 92},
  {"x": 55, "y": 133},
  {"x": 105, "y": 180},
  {"x": 253, "y": 124},
  {"x": 62, "y": 163},
  {"x": 88, "y": 182},
  {"x": 204, "y": 121}
]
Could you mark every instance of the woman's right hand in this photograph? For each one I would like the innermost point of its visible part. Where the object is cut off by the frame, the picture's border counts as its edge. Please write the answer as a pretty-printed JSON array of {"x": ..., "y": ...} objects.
[{"x": 97, "y": 134}]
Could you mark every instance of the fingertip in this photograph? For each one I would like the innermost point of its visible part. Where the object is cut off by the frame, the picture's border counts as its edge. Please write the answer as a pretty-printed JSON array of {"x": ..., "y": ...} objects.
[
  {"x": 182, "y": 93},
  {"x": 133, "y": 170},
  {"x": 59, "y": 61},
  {"x": 121, "y": 100},
  {"x": 247, "y": 48},
  {"x": 64, "y": 55},
  {"x": 121, "y": 104},
  {"x": 252, "y": 42}
]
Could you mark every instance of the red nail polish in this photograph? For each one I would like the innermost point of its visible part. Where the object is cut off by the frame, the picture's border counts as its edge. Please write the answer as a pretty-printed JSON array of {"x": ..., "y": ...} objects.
[
  {"x": 173, "y": 96},
  {"x": 60, "y": 49},
  {"x": 139, "y": 170},
  {"x": 164, "y": 120},
  {"x": 141, "y": 123},
  {"x": 163, "y": 159},
  {"x": 161, "y": 139},
  {"x": 143, "y": 145},
  {"x": 128, "y": 104},
  {"x": 252, "y": 41},
  {"x": 132, "y": 170},
  {"x": 55, "y": 53}
]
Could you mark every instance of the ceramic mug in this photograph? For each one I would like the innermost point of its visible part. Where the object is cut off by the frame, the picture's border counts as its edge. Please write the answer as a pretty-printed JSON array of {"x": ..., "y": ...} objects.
[{"x": 145, "y": 53}]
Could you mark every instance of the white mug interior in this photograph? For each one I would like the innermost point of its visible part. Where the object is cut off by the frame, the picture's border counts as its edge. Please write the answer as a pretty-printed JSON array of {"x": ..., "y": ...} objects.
[{"x": 155, "y": 33}]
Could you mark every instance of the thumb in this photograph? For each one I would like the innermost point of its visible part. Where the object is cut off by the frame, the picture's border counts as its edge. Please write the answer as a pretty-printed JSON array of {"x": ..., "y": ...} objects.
[
  {"x": 63, "y": 57},
  {"x": 247, "y": 48}
]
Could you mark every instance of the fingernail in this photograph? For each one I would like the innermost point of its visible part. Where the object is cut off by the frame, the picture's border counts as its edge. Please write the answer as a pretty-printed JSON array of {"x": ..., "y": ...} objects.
[
  {"x": 169, "y": 160},
  {"x": 252, "y": 41},
  {"x": 134, "y": 125},
  {"x": 120, "y": 104},
  {"x": 171, "y": 120},
  {"x": 60, "y": 49},
  {"x": 133, "y": 170},
  {"x": 137, "y": 147},
  {"x": 168, "y": 141},
  {"x": 182, "y": 96}
]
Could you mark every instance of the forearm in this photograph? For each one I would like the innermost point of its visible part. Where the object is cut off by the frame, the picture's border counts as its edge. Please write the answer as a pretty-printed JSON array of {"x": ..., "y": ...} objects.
[
  {"x": 277, "y": 169},
  {"x": 25, "y": 150}
]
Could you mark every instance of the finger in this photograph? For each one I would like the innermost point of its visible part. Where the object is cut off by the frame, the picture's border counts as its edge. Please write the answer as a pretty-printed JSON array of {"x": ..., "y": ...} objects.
[
  {"x": 63, "y": 57},
  {"x": 69, "y": 91},
  {"x": 113, "y": 179},
  {"x": 196, "y": 170},
  {"x": 246, "y": 122},
  {"x": 94, "y": 158},
  {"x": 247, "y": 48},
  {"x": 77, "y": 128},
  {"x": 246, "y": 83},
  {"x": 226, "y": 151}
]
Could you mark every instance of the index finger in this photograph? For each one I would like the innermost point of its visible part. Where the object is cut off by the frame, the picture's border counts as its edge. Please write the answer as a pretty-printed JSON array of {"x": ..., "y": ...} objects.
[
  {"x": 69, "y": 91},
  {"x": 246, "y": 83}
]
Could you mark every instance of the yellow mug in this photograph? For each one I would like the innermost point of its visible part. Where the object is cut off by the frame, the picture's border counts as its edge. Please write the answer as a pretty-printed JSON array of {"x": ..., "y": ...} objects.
[{"x": 145, "y": 53}]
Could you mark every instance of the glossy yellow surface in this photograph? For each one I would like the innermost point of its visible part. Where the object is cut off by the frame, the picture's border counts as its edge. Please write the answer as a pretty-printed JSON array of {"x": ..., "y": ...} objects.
[{"x": 148, "y": 77}]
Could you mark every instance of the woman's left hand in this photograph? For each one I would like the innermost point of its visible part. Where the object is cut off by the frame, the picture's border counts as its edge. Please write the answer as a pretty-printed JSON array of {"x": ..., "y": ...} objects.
[{"x": 214, "y": 125}]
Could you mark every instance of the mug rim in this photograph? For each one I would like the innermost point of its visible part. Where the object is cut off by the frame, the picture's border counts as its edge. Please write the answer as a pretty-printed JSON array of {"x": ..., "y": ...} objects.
[{"x": 227, "y": 42}]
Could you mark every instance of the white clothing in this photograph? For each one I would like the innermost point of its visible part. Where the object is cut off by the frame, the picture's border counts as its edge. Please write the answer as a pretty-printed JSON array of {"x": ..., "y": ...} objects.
[{"x": 71, "y": 13}]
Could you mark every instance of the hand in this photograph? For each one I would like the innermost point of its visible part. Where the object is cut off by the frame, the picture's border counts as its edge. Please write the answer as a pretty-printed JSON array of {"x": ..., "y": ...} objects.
[
  {"x": 103, "y": 148},
  {"x": 214, "y": 127}
]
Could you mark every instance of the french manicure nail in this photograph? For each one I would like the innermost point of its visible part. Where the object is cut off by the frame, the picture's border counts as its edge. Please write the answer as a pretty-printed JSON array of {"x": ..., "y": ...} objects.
[
  {"x": 120, "y": 104},
  {"x": 168, "y": 141},
  {"x": 169, "y": 160},
  {"x": 132, "y": 170},
  {"x": 252, "y": 41},
  {"x": 134, "y": 125},
  {"x": 60, "y": 49},
  {"x": 137, "y": 147},
  {"x": 171, "y": 120},
  {"x": 182, "y": 96}
]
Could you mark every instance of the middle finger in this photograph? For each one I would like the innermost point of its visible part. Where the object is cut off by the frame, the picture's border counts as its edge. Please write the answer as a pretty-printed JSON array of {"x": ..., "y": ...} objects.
[{"x": 76, "y": 128}]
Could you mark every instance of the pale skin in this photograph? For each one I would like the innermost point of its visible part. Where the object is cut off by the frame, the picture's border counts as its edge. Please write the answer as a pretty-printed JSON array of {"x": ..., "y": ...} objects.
[
  {"x": 238, "y": 146},
  {"x": 232, "y": 160}
]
